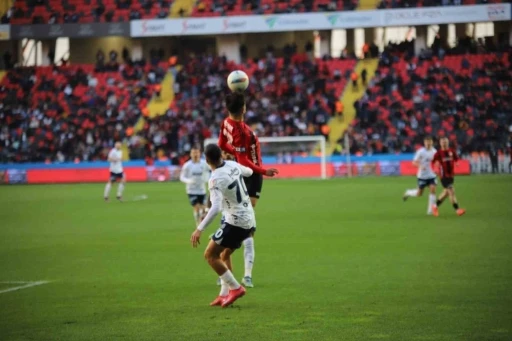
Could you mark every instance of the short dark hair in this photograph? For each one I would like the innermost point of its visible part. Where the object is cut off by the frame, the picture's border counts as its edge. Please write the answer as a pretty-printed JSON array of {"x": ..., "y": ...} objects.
[
  {"x": 428, "y": 138},
  {"x": 213, "y": 154},
  {"x": 235, "y": 103}
]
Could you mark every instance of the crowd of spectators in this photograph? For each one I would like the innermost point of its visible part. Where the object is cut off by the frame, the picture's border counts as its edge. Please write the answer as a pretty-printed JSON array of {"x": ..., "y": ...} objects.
[
  {"x": 386, "y": 4},
  {"x": 67, "y": 113},
  {"x": 84, "y": 11},
  {"x": 467, "y": 98},
  {"x": 246, "y": 7},
  {"x": 72, "y": 113}
]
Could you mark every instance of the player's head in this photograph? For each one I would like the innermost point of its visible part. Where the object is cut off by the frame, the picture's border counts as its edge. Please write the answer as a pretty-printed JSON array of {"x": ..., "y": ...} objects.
[
  {"x": 444, "y": 142},
  {"x": 117, "y": 146},
  {"x": 428, "y": 142},
  {"x": 213, "y": 155},
  {"x": 235, "y": 103},
  {"x": 195, "y": 153}
]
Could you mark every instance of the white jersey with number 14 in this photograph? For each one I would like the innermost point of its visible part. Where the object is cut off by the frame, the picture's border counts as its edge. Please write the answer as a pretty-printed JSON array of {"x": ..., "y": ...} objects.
[
  {"x": 116, "y": 166},
  {"x": 195, "y": 175},
  {"x": 227, "y": 185}
]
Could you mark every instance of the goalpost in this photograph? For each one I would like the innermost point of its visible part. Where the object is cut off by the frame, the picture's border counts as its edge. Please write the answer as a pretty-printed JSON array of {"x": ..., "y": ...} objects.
[{"x": 293, "y": 150}]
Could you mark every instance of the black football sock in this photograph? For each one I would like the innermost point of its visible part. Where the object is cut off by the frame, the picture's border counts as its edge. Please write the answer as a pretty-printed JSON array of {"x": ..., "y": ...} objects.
[
  {"x": 456, "y": 205},
  {"x": 439, "y": 202}
]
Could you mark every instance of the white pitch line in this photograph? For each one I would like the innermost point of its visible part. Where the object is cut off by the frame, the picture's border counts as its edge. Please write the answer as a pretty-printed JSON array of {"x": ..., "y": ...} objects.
[{"x": 27, "y": 285}]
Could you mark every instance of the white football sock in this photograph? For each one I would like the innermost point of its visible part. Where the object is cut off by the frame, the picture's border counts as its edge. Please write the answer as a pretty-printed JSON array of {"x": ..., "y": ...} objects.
[
  {"x": 432, "y": 200},
  {"x": 224, "y": 288},
  {"x": 248, "y": 256},
  {"x": 120, "y": 189},
  {"x": 228, "y": 278},
  {"x": 107, "y": 190},
  {"x": 197, "y": 217},
  {"x": 411, "y": 192}
]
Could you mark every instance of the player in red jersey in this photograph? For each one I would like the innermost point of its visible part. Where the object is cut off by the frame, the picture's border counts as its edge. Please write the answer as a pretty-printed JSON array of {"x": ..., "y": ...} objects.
[
  {"x": 445, "y": 159},
  {"x": 237, "y": 139}
]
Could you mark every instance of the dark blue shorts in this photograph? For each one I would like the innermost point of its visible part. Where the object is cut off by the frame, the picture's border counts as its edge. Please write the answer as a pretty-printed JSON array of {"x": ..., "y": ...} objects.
[
  {"x": 116, "y": 176},
  {"x": 422, "y": 183},
  {"x": 196, "y": 199},
  {"x": 230, "y": 236}
]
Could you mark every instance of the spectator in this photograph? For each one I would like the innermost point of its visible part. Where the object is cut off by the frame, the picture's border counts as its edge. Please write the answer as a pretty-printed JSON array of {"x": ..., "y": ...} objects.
[
  {"x": 163, "y": 13},
  {"x": 158, "y": 90},
  {"x": 354, "y": 77},
  {"x": 109, "y": 16},
  {"x": 98, "y": 11},
  {"x": 493, "y": 155},
  {"x": 8, "y": 64},
  {"x": 100, "y": 61},
  {"x": 126, "y": 55},
  {"x": 309, "y": 49},
  {"x": 366, "y": 50},
  {"x": 364, "y": 74}
]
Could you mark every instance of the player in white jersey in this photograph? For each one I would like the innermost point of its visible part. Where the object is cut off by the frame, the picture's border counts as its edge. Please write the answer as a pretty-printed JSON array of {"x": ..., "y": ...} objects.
[
  {"x": 195, "y": 173},
  {"x": 426, "y": 175},
  {"x": 229, "y": 194},
  {"x": 115, "y": 157}
]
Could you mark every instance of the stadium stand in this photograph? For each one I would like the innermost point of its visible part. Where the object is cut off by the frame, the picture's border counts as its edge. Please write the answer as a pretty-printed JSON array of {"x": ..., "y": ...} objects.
[
  {"x": 73, "y": 112},
  {"x": 465, "y": 97},
  {"x": 209, "y": 8},
  {"x": 87, "y": 11},
  {"x": 385, "y": 4},
  {"x": 63, "y": 113}
]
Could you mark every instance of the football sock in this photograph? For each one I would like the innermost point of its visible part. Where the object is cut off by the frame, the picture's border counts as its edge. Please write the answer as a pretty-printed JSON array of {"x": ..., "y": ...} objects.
[
  {"x": 431, "y": 202},
  {"x": 120, "y": 190},
  {"x": 224, "y": 288},
  {"x": 107, "y": 190},
  {"x": 456, "y": 205},
  {"x": 197, "y": 217},
  {"x": 439, "y": 202},
  {"x": 432, "y": 199},
  {"x": 228, "y": 278},
  {"x": 412, "y": 192},
  {"x": 248, "y": 256}
]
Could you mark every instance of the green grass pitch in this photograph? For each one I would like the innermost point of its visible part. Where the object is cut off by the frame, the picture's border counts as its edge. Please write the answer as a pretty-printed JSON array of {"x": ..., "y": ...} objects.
[{"x": 335, "y": 260}]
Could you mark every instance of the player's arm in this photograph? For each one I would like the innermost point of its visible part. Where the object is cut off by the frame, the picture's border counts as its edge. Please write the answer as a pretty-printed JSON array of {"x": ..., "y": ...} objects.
[
  {"x": 244, "y": 160},
  {"x": 183, "y": 176},
  {"x": 416, "y": 159},
  {"x": 436, "y": 162},
  {"x": 246, "y": 171},
  {"x": 216, "y": 198}
]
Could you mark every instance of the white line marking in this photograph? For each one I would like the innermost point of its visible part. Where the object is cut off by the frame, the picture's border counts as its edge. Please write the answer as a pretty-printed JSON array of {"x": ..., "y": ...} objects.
[
  {"x": 138, "y": 198},
  {"x": 26, "y": 285}
]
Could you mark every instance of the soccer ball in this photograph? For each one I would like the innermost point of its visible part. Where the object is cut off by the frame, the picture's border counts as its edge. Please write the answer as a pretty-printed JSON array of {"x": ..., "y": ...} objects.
[{"x": 238, "y": 81}]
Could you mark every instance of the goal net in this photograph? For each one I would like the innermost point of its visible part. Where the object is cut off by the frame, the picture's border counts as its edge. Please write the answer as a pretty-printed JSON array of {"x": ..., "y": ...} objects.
[{"x": 293, "y": 156}]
